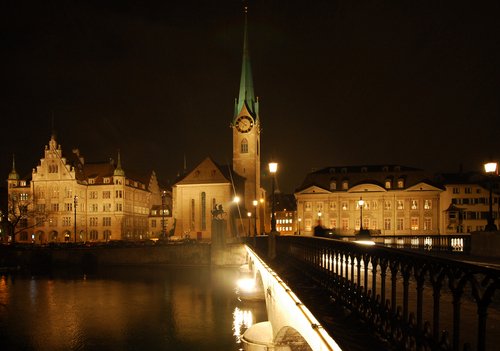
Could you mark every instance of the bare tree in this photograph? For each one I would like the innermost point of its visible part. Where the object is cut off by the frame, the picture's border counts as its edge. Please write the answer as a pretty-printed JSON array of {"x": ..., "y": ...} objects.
[{"x": 24, "y": 213}]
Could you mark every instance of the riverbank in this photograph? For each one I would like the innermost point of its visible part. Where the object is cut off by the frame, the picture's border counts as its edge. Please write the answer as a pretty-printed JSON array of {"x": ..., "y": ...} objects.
[{"x": 193, "y": 254}]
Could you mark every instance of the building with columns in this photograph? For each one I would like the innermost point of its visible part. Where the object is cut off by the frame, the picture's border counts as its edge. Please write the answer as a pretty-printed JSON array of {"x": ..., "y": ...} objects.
[
  {"x": 70, "y": 200},
  {"x": 209, "y": 184}
]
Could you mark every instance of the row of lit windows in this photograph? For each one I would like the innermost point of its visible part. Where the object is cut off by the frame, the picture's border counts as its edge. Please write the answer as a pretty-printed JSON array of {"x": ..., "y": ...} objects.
[
  {"x": 370, "y": 205},
  {"x": 284, "y": 221},
  {"x": 284, "y": 229},
  {"x": 373, "y": 224}
]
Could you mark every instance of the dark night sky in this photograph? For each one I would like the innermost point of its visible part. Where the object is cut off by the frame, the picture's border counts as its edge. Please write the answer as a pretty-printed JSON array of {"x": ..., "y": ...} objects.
[{"x": 340, "y": 82}]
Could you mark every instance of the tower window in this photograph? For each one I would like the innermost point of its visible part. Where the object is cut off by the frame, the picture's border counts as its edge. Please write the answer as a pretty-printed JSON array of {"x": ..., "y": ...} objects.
[{"x": 244, "y": 146}]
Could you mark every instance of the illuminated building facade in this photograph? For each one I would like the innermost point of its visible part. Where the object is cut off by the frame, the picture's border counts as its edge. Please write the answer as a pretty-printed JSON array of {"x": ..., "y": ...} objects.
[
  {"x": 69, "y": 200},
  {"x": 398, "y": 200},
  {"x": 465, "y": 202}
]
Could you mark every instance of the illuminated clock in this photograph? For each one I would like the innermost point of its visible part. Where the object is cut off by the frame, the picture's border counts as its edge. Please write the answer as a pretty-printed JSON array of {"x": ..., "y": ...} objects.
[{"x": 244, "y": 124}]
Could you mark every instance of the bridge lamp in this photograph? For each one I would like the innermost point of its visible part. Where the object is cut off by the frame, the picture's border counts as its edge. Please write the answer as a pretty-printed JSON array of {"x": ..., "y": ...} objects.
[
  {"x": 300, "y": 220},
  {"x": 255, "y": 203},
  {"x": 273, "y": 168},
  {"x": 491, "y": 169},
  {"x": 249, "y": 215},
  {"x": 246, "y": 285},
  {"x": 236, "y": 199}
]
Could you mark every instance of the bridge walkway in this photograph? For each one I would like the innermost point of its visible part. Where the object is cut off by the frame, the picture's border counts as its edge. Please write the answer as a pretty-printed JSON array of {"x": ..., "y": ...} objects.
[{"x": 350, "y": 333}]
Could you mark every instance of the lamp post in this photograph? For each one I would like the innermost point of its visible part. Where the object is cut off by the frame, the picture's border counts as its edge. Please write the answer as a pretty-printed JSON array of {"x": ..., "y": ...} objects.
[
  {"x": 75, "y": 203},
  {"x": 249, "y": 215},
  {"x": 255, "y": 203},
  {"x": 163, "y": 227},
  {"x": 300, "y": 220},
  {"x": 361, "y": 203},
  {"x": 491, "y": 168},
  {"x": 273, "y": 168}
]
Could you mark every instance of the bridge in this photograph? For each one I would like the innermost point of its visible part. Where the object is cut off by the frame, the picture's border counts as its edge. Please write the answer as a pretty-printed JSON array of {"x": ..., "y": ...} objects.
[{"x": 405, "y": 300}]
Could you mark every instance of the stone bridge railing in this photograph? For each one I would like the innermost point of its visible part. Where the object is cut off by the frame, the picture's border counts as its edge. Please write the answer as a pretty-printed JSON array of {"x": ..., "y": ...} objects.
[{"x": 414, "y": 300}]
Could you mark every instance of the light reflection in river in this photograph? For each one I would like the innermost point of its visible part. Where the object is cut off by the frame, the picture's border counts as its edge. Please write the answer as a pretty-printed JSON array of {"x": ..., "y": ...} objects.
[{"x": 175, "y": 308}]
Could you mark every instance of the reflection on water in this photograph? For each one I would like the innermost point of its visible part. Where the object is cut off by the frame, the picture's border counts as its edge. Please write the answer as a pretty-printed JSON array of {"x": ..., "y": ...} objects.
[{"x": 175, "y": 308}]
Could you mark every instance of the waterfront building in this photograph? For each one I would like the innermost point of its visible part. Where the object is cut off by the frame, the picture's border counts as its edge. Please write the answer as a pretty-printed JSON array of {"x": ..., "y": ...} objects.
[
  {"x": 397, "y": 200},
  {"x": 285, "y": 213},
  {"x": 465, "y": 202},
  {"x": 68, "y": 199},
  {"x": 209, "y": 184}
]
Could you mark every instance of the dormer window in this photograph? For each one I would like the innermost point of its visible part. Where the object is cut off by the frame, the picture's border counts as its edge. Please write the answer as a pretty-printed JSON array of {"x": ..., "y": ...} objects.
[
  {"x": 22, "y": 183},
  {"x": 345, "y": 185},
  {"x": 333, "y": 184},
  {"x": 401, "y": 183},
  {"x": 388, "y": 184},
  {"x": 107, "y": 180},
  {"x": 344, "y": 170},
  {"x": 92, "y": 181},
  {"x": 385, "y": 169}
]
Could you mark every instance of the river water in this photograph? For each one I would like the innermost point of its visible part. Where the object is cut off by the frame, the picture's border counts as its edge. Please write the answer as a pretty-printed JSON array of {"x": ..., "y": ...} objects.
[{"x": 132, "y": 308}]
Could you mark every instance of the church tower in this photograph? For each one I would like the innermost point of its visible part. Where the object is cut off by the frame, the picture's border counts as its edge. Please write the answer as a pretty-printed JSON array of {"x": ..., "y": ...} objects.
[{"x": 246, "y": 130}]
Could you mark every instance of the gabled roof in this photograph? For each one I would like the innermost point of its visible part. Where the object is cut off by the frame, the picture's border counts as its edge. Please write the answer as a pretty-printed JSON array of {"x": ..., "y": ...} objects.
[{"x": 207, "y": 171}]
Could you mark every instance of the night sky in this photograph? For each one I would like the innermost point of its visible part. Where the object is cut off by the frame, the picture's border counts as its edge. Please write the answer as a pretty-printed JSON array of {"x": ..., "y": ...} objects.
[{"x": 340, "y": 82}]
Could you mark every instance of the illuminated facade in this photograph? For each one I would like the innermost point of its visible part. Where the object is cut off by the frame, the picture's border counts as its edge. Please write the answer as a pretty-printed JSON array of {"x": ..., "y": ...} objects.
[
  {"x": 465, "y": 202},
  {"x": 70, "y": 200},
  {"x": 397, "y": 201}
]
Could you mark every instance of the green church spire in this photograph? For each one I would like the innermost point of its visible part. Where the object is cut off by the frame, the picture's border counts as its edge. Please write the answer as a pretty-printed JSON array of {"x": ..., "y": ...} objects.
[
  {"x": 118, "y": 170},
  {"x": 246, "y": 95},
  {"x": 13, "y": 175}
]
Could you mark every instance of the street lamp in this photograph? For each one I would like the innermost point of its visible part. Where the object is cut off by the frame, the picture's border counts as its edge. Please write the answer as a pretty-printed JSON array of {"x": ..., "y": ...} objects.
[
  {"x": 255, "y": 203},
  {"x": 273, "y": 168},
  {"x": 163, "y": 226},
  {"x": 300, "y": 220},
  {"x": 249, "y": 215},
  {"x": 491, "y": 168},
  {"x": 75, "y": 203}
]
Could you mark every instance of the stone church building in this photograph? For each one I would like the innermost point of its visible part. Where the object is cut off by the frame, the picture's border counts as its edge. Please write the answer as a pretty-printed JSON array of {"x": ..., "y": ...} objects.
[{"x": 209, "y": 185}]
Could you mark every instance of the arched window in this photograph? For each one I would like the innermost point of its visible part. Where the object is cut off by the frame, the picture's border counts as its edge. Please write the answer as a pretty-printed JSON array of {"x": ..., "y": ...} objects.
[{"x": 244, "y": 146}]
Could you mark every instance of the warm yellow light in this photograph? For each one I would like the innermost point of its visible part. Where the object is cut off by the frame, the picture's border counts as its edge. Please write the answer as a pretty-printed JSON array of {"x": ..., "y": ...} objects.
[
  {"x": 361, "y": 202},
  {"x": 300, "y": 219},
  {"x": 261, "y": 200},
  {"x": 236, "y": 199},
  {"x": 490, "y": 167},
  {"x": 249, "y": 214},
  {"x": 255, "y": 203},
  {"x": 319, "y": 214},
  {"x": 246, "y": 285},
  {"x": 364, "y": 242},
  {"x": 273, "y": 167}
]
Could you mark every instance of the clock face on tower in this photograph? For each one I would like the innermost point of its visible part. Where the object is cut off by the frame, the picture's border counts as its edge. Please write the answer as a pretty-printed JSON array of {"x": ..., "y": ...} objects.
[{"x": 244, "y": 124}]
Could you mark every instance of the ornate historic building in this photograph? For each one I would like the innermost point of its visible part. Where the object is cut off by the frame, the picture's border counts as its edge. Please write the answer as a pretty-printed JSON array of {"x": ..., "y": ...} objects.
[
  {"x": 68, "y": 199},
  {"x": 209, "y": 184}
]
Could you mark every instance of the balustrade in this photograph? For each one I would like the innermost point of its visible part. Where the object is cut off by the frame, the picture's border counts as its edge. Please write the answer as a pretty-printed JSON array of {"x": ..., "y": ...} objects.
[{"x": 426, "y": 297}]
